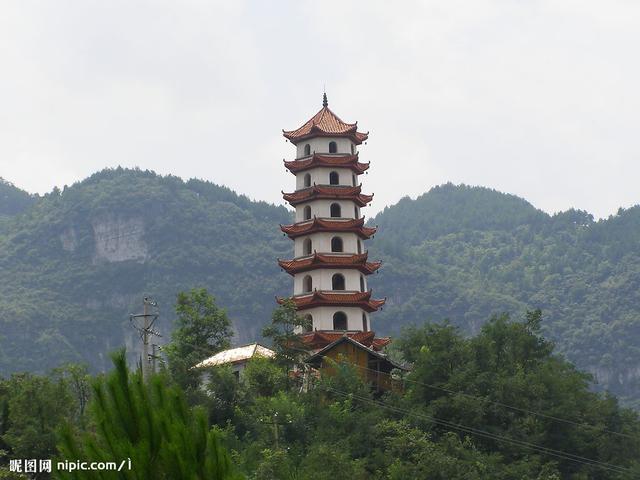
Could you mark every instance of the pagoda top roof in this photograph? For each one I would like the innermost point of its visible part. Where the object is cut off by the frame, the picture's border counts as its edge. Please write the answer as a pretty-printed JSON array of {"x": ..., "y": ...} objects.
[
  {"x": 325, "y": 123},
  {"x": 328, "y": 192},
  {"x": 318, "y": 160},
  {"x": 355, "y": 225},
  {"x": 322, "y": 260},
  {"x": 331, "y": 298}
]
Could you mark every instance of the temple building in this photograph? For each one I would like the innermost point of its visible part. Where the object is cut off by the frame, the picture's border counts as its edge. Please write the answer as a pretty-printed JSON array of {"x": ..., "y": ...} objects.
[{"x": 330, "y": 265}]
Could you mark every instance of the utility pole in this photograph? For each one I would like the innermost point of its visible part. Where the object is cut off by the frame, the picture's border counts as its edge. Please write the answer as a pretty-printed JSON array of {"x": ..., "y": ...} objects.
[
  {"x": 145, "y": 339},
  {"x": 154, "y": 357},
  {"x": 146, "y": 330},
  {"x": 276, "y": 427}
]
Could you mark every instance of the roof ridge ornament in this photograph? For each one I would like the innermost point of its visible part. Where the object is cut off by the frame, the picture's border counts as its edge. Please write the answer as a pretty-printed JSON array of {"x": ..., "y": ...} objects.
[{"x": 325, "y": 102}]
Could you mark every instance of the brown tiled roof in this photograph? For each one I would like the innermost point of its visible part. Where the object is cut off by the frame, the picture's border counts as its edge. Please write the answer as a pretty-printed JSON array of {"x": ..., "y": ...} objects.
[
  {"x": 325, "y": 123},
  {"x": 331, "y": 298},
  {"x": 380, "y": 343},
  {"x": 321, "y": 260},
  {"x": 355, "y": 225},
  {"x": 317, "y": 160},
  {"x": 320, "y": 339},
  {"x": 328, "y": 192},
  {"x": 315, "y": 358}
]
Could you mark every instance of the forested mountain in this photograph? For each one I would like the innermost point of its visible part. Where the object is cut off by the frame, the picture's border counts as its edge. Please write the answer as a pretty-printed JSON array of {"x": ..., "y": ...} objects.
[
  {"x": 77, "y": 262},
  {"x": 463, "y": 253},
  {"x": 13, "y": 200}
]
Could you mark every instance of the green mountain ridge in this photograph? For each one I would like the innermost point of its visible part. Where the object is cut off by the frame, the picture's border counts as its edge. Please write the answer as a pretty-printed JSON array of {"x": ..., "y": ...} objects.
[{"x": 76, "y": 263}]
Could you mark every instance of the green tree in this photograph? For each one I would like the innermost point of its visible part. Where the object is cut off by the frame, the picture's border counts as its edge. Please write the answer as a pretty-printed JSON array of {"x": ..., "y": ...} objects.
[
  {"x": 285, "y": 322},
  {"x": 202, "y": 329},
  {"x": 149, "y": 423},
  {"x": 34, "y": 407}
]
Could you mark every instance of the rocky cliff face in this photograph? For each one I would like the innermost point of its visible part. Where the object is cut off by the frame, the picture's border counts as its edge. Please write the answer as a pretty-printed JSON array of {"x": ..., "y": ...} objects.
[{"x": 119, "y": 239}]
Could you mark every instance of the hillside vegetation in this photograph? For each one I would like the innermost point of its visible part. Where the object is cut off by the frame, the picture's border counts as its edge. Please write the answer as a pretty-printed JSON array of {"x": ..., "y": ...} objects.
[
  {"x": 76, "y": 263},
  {"x": 464, "y": 253},
  {"x": 79, "y": 262}
]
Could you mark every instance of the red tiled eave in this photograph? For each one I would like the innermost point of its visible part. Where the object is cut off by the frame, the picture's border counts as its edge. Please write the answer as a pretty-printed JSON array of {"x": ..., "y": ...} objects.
[
  {"x": 321, "y": 260},
  {"x": 325, "y": 123},
  {"x": 321, "y": 338},
  {"x": 355, "y": 225},
  {"x": 328, "y": 192},
  {"x": 325, "y": 298},
  {"x": 317, "y": 160}
]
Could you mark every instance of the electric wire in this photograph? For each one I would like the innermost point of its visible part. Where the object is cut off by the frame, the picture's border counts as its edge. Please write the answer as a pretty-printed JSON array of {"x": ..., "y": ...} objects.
[
  {"x": 539, "y": 448},
  {"x": 500, "y": 404}
]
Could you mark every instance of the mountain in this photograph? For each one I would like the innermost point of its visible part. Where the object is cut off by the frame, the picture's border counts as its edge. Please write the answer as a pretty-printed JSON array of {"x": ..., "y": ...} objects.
[
  {"x": 75, "y": 265},
  {"x": 77, "y": 262},
  {"x": 464, "y": 253},
  {"x": 13, "y": 200}
]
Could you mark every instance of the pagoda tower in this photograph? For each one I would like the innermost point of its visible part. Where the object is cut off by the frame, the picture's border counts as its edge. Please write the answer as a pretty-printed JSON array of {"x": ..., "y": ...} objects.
[{"x": 330, "y": 264}]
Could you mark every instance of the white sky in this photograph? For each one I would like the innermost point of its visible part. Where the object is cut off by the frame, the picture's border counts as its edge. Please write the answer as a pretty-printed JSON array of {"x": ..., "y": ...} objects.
[{"x": 536, "y": 98}]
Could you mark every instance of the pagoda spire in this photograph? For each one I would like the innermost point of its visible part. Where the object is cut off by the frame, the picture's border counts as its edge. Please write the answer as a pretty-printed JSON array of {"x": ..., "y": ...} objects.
[{"x": 325, "y": 102}]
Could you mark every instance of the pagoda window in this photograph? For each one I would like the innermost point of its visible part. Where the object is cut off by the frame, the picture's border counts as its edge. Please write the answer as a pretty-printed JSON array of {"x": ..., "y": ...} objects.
[
  {"x": 337, "y": 282},
  {"x": 336, "y": 244},
  {"x": 307, "y": 284},
  {"x": 359, "y": 246},
  {"x": 339, "y": 321},
  {"x": 356, "y": 212},
  {"x": 307, "y": 150},
  {"x": 333, "y": 147},
  {"x": 336, "y": 211},
  {"x": 353, "y": 179},
  {"x": 334, "y": 178},
  {"x": 307, "y": 180},
  {"x": 307, "y": 212},
  {"x": 353, "y": 149},
  {"x": 364, "y": 322},
  {"x": 361, "y": 283},
  {"x": 306, "y": 246},
  {"x": 309, "y": 323}
]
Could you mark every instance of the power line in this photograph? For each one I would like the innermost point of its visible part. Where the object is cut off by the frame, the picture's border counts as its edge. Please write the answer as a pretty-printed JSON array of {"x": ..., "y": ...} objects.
[
  {"x": 464, "y": 428},
  {"x": 483, "y": 399},
  {"x": 500, "y": 404}
]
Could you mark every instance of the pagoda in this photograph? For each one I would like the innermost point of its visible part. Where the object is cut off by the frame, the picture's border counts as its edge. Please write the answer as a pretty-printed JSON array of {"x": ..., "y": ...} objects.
[{"x": 330, "y": 264}]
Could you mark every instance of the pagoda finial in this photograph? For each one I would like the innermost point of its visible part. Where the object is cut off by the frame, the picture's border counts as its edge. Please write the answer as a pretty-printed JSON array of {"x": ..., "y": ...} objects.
[{"x": 325, "y": 102}]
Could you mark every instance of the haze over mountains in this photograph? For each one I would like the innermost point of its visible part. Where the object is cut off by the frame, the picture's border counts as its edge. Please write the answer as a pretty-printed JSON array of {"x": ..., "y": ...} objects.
[{"x": 75, "y": 263}]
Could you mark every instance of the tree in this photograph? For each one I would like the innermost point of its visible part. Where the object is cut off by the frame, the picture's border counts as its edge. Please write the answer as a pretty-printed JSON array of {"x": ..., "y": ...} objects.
[
  {"x": 202, "y": 329},
  {"x": 149, "y": 423},
  {"x": 284, "y": 323},
  {"x": 34, "y": 407}
]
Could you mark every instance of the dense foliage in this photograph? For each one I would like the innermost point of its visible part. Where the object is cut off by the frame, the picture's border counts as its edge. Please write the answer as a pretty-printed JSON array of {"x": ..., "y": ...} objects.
[
  {"x": 75, "y": 265},
  {"x": 498, "y": 405},
  {"x": 457, "y": 253},
  {"x": 13, "y": 200},
  {"x": 148, "y": 424},
  {"x": 201, "y": 330},
  {"x": 466, "y": 253}
]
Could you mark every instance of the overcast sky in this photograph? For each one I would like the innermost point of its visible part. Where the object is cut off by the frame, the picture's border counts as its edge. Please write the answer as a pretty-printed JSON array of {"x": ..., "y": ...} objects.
[{"x": 539, "y": 98}]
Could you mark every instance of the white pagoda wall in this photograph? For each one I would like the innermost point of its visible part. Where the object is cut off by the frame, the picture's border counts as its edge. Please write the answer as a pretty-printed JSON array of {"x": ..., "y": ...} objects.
[
  {"x": 323, "y": 317},
  {"x": 321, "y": 242},
  {"x": 320, "y": 176},
  {"x": 322, "y": 209},
  {"x": 321, "y": 145},
  {"x": 321, "y": 279}
]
